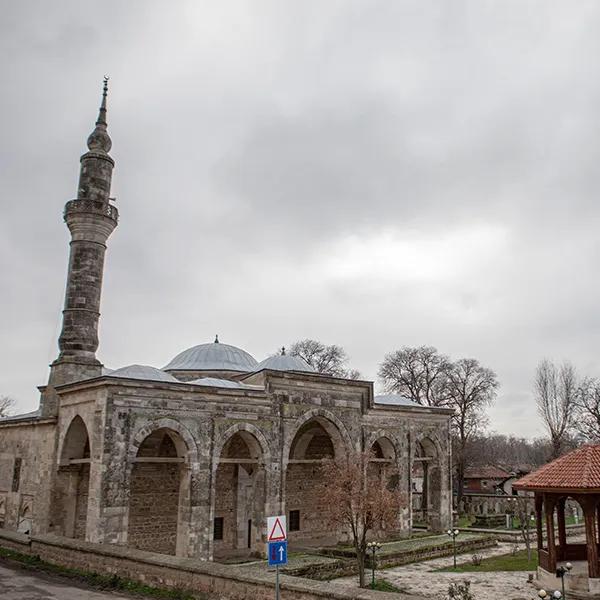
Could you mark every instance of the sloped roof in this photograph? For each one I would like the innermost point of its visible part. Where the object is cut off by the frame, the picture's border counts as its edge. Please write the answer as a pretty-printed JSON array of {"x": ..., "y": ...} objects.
[
  {"x": 223, "y": 383},
  {"x": 578, "y": 470},
  {"x": 396, "y": 399},
  {"x": 30, "y": 415},
  {"x": 486, "y": 472}
]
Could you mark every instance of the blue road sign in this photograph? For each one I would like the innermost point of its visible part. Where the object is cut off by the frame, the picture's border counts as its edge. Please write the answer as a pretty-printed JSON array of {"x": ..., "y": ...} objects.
[{"x": 277, "y": 553}]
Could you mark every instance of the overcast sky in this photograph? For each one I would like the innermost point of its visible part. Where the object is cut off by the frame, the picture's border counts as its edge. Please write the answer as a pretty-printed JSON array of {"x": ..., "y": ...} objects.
[{"x": 371, "y": 174}]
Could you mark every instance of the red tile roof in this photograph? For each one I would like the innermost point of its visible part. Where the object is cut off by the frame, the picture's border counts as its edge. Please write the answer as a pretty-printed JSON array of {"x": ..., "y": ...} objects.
[{"x": 577, "y": 470}]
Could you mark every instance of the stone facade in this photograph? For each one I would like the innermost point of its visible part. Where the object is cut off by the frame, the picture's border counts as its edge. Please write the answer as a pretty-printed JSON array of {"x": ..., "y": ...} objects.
[
  {"x": 158, "y": 462},
  {"x": 191, "y": 460}
]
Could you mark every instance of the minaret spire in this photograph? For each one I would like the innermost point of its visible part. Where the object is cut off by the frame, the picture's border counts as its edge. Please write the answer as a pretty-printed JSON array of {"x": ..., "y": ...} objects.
[
  {"x": 102, "y": 112},
  {"x": 91, "y": 218},
  {"x": 99, "y": 140}
]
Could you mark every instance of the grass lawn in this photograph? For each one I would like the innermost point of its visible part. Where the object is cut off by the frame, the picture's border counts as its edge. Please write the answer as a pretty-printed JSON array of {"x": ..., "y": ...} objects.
[
  {"x": 504, "y": 562},
  {"x": 381, "y": 585}
]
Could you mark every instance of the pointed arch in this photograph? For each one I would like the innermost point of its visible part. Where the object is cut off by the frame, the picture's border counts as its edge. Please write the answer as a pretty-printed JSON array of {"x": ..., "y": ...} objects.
[
  {"x": 189, "y": 448},
  {"x": 239, "y": 491},
  {"x": 428, "y": 474},
  {"x": 75, "y": 443},
  {"x": 254, "y": 431},
  {"x": 73, "y": 480},
  {"x": 315, "y": 436},
  {"x": 329, "y": 421},
  {"x": 159, "y": 484}
]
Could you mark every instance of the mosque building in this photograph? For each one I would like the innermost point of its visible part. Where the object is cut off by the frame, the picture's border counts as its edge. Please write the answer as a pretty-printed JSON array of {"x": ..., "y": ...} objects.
[{"x": 189, "y": 459}]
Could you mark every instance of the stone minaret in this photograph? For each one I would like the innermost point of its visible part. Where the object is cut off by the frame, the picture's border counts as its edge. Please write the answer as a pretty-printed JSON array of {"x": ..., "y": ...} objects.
[{"x": 91, "y": 218}]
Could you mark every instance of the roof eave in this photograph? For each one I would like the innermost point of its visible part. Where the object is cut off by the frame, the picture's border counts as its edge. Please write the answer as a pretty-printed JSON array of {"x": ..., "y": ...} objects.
[
  {"x": 555, "y": 490},
  {"x": 421, "y": 409},
  {"x": 108, "y": 380}
]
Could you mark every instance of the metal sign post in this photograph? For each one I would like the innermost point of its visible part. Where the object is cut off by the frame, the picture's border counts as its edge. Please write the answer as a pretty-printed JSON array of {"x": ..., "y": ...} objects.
[{"x": 277, "y": 549}]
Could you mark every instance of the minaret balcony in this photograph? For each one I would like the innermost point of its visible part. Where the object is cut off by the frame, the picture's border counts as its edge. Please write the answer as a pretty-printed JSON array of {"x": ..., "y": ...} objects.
[{"x": 104, "y": 209}]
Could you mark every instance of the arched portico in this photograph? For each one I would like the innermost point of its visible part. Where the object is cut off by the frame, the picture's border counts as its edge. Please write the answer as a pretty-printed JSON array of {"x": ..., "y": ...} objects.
[
  {"x": 383, "y": 471},
  {"x": 239, "y": 494},
  {"x": 159, "y": 487},
  {"x": 316, "y": 439},
  {"x": 427, "y": 483},
  {"x": 69, "y": 510}
]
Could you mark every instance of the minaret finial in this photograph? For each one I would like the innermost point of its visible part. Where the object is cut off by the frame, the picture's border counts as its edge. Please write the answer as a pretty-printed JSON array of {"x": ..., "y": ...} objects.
[
  {"x": 217, "y": 338},
  {"x": 102, "y": 112},
  {"x": 99, "y": 140}
]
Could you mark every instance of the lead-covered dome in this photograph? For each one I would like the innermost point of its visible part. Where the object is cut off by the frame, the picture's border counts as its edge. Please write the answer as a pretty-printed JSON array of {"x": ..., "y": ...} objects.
[
  {"x": 142, "y": 372},
  {"x": 213, "y": 357},
  {"x": 285, "y": 362}
]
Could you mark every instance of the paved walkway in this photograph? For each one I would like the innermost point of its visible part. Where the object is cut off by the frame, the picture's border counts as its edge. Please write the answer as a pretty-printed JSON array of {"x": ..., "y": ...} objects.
[
  {"x": 22, "y": 584},
  {"x": 420, "y": 579}
]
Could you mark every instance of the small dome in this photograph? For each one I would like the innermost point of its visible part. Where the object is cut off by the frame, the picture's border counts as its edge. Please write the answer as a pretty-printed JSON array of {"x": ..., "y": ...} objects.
[
  {"x": 213, "y": 357},
  {"x": 142, "y": 372},
  {"x": 224, "y": 383},
  {"x": 285, "y": 362}
]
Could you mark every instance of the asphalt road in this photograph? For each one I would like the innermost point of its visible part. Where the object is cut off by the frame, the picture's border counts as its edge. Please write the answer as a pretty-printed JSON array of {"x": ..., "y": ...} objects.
[{"x": 22, "y": 584}]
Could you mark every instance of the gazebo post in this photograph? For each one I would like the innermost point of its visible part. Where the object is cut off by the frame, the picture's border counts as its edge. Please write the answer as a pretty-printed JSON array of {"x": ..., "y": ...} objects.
[
  {"x": 589, "y": 512},
  {"x": 539, "y": 501},
  {"x": 550, "y": 502},
  {"x": 562, "y": 530}
]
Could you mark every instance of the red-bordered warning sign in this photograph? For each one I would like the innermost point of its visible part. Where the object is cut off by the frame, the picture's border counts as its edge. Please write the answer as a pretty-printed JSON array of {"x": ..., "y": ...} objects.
[{"x": 276, "y": 529}]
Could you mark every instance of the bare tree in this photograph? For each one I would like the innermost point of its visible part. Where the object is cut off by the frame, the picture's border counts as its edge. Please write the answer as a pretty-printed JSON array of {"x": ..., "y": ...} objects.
[
  {"x": 508, "y": 451},
  {"x": 587, "y": 410},
  {"x": 419, "y": 373},
  {"x": 471, "y": 389},
  {"x": 556, "y": 390},
  {"x": 6, "y": 405},
  {"x": 356, "y": 505},
  {"x": 523, "y": 512},
  {"x": 332, "y": 360}
]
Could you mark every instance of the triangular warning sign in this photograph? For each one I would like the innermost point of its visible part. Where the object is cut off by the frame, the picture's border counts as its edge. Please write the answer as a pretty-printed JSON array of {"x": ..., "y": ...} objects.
[{"x": 277, "y": 533}]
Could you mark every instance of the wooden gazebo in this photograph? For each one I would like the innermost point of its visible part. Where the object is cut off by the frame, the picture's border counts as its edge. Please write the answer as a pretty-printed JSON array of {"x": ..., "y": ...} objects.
[{"x": 575, "y": 475}]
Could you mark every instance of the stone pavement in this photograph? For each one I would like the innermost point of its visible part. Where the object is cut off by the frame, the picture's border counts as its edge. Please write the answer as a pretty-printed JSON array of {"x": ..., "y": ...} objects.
[
  {"x": 22, "y": 584},
  {"x": 420, "y": 578}
]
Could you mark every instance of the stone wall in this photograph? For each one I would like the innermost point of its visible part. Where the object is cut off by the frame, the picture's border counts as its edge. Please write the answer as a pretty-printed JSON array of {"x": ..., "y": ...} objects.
[
  {"x": 154, "y": 506},
  {"x": 27, "y": 454},
  {"x": 81, "y": 502},
  {"x": 302, "y": 493},
  {"x": 217, "y": 581}
]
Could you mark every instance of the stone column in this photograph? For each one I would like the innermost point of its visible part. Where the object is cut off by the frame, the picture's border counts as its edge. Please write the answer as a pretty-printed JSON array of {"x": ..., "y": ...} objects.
[{"x": 201, "y": 512}]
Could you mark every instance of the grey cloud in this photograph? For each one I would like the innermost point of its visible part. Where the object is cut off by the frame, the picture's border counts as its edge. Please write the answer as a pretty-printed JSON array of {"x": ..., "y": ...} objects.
[{"x": 252, "y": 145}]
